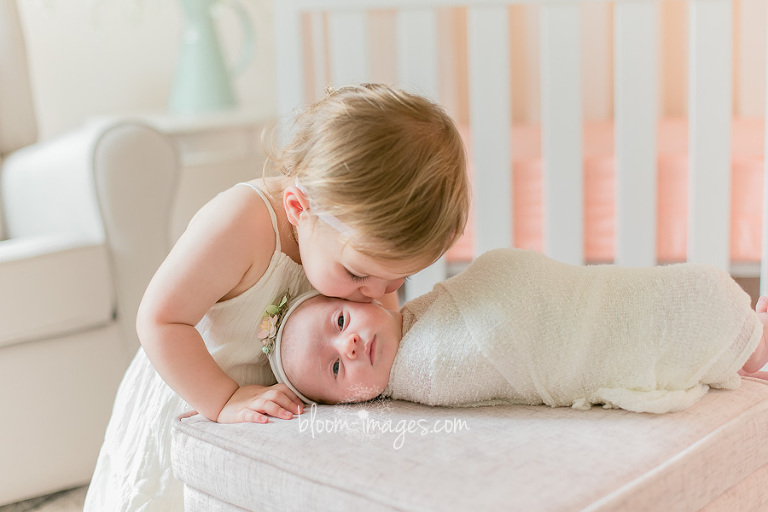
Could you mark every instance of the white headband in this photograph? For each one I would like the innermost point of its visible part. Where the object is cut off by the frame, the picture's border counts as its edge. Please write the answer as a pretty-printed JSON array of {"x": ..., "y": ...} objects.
[
  {"x": 275, "y": 360},
  {"x": 325, "y": 217}
]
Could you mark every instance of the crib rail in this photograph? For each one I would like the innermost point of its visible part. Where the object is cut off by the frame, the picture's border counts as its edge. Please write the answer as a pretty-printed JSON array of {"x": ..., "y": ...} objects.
[{"x": 343, "y": 25}]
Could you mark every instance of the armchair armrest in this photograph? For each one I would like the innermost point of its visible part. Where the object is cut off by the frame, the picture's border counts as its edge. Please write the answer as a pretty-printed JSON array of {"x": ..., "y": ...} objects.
[
  {"x": 47, "y": 188},
  {"x": 108, "y": 182},
  {"x": 136, "y": 173}
]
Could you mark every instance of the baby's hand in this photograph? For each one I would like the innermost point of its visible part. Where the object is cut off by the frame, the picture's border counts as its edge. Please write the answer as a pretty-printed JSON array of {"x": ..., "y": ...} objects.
[
  {"x": 762, "y": 305},
  {"x": 255, "y": 403}
]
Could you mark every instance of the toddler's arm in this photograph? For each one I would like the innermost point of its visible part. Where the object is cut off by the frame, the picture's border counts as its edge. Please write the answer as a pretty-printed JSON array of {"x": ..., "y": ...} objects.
[{"x": 225, "y": 249}]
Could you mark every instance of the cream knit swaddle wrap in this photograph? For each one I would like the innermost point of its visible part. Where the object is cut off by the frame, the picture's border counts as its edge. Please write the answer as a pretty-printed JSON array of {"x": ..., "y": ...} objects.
[{"x": 519, "y": 327}]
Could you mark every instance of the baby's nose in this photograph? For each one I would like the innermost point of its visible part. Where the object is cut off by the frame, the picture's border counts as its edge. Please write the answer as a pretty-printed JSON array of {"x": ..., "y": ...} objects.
[{"x": 351, "y": 345}]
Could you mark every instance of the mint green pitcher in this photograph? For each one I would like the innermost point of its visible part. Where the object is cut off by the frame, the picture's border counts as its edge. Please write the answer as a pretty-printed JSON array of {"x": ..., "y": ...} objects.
[{"x": 203, "y": 80}]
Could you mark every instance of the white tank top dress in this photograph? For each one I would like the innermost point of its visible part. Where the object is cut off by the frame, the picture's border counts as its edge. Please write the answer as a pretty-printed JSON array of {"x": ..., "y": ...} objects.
[{"x": 133, "y": 472}]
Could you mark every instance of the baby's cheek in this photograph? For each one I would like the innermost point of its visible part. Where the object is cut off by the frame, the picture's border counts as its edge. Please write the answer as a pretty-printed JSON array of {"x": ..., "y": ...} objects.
[
  {"x": 363, "y": 393},
  {"x": 382, "y": 384}
]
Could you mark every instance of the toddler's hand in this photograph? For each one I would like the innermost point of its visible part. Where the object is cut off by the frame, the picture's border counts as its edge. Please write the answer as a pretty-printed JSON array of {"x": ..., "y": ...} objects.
[{"x": 255, "y": 403}]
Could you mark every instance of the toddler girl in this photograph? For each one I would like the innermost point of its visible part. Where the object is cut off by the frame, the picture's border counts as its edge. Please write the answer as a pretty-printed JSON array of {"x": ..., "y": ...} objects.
[
  {"x": 518, "y": 327},
  {"x": 373, "y": 188}
]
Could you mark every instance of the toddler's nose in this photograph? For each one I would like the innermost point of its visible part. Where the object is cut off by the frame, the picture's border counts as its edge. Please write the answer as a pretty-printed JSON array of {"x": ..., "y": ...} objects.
[
  {"x": 373, "y": 290},
  {"x": 377, "y": 289},
  {"x": 394, "y": 285}
]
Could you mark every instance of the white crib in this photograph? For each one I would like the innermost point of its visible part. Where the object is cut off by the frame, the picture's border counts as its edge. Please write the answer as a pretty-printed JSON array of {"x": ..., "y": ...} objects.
[{"x": 331, "y": 42}]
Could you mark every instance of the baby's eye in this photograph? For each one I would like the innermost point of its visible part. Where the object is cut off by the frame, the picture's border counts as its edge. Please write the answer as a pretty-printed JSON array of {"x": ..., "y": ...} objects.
[
  {"x": 340, "y": 322},
  {"x": 336, "y": 368}
]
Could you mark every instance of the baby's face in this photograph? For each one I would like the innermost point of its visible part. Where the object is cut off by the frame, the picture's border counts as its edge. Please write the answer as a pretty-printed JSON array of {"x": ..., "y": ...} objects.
[{"x": 340, "y": 351}]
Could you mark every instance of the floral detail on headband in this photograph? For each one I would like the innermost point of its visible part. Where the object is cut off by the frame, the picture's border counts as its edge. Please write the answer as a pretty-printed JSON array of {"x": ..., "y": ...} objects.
[{"x": 270, "y": 322}]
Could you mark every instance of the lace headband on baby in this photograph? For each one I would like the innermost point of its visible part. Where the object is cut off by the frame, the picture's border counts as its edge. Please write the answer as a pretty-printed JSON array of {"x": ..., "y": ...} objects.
[
  {"x": 325, "y": 217},
  {"x": 271, "y": 332}
]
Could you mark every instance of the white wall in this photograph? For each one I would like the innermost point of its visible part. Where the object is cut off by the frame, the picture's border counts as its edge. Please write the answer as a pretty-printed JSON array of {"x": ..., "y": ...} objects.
[{"x": 103, "y": 57}]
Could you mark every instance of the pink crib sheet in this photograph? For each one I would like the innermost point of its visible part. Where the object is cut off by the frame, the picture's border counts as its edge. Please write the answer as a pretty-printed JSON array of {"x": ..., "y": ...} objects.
[{"x": 672, "y": 183}]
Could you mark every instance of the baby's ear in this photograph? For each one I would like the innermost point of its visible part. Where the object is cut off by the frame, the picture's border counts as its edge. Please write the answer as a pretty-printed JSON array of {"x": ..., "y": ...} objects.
[{"x": 295, "y": 203}]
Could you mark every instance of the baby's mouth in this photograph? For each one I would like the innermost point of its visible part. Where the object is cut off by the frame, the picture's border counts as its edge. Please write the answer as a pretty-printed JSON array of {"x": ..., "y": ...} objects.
[{"x": 371, "y": 350}]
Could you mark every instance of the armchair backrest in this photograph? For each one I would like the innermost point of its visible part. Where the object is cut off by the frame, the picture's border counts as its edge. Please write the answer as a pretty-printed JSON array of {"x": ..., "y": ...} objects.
[{"x": 18, "y": 126}]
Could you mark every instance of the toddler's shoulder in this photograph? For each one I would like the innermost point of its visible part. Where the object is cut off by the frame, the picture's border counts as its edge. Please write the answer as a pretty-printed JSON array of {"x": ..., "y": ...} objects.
[
  {"x": 237, "y": 220},
  {"x": 239, "y": 209}
]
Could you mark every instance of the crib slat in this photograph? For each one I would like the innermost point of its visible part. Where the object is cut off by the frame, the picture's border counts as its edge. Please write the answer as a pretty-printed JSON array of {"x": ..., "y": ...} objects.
[
  {"x": 417, "y": 57},
  {"x": 710, "y": 132},
  {"x": 764, "y": 247},
  {"x": 490, "y": 121},
  {"x": 289, "y": 65},
  {"x": 417, "y": 54},
  {"x": 635, "y": 69},
  {"x": 562, "y": 133},
  {"x": 348, "y": 47},
  {"x": 764, "y": 255}
]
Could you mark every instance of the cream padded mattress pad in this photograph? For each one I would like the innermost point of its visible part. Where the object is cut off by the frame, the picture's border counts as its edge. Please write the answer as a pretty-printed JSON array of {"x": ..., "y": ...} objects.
[{"x": 394, "y": 455}]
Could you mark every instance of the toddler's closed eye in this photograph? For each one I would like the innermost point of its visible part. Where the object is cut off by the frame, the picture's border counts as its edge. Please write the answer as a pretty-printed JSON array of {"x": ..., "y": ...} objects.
[{"x": 356, "y": 278}]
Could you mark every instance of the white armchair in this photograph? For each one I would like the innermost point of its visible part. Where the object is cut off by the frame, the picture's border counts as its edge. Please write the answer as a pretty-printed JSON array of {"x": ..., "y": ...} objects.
[{"x": 84, "y": 223}]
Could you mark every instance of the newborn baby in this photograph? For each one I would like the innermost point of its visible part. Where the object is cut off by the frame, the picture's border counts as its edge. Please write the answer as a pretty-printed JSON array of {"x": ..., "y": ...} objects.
[{"x": 518, "y": 327}]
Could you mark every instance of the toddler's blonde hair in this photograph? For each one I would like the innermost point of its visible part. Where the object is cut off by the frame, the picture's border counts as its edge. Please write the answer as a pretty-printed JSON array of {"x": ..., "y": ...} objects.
[{"x": 388, "y": 164}]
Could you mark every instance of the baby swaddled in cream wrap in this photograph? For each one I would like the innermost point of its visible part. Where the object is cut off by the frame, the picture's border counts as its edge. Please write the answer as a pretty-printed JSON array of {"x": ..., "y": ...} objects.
[{"x": 518, "y": 327}]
